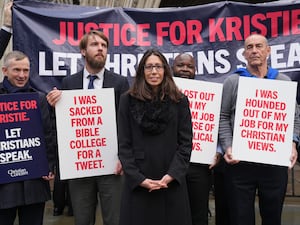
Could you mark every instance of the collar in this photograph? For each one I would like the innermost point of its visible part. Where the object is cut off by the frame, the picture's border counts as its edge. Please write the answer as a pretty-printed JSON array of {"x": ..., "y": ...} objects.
[
  {"x": 271, "y": 74},
  {"x": 100, "y": 74}
]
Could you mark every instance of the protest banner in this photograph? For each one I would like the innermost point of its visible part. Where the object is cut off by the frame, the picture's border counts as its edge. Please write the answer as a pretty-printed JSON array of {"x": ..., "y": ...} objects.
[
  {"x": 86, "y": 133},
  {"x": 264, "y": 121},
  {"x": 205, "y": 102},
  {"x": 213, "y": 33},
  {"x": 22, "y": 144}
]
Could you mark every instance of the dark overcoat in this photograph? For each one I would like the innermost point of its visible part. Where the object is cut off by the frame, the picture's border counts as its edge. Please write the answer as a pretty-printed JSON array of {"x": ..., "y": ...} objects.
[
  {"x": 152, "y": 156},
  {"x": 34, "y": 190}
]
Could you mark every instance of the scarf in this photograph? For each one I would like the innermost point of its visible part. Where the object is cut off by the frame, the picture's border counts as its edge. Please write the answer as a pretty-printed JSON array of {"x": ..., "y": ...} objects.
[
  {"x": 151, "y": 116},
  {"x": 13, "y": 89},
  {"x": 272, "y": 73}
]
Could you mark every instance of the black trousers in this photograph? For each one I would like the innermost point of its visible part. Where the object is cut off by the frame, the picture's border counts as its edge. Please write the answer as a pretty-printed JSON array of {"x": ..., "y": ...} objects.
[
  {"x": 61, "y": 194},
  {"x": 199, "y": 184},
  {"x": 222, "y": 202},
  {"x": 27, "y": 214},
  {"x": 248, "y": 179}
]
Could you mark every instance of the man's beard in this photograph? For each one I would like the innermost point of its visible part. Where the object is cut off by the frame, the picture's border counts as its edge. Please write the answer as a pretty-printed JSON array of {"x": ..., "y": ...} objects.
[{"x": 95, "y": 64}]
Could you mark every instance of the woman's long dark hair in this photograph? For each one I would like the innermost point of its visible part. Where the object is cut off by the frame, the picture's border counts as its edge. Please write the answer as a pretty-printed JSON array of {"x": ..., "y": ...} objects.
[{"x": 143, "y": 91}]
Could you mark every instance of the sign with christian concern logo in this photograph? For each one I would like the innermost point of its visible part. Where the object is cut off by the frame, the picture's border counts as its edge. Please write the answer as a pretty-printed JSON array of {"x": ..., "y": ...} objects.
[
  {"x": 264, "y": 121},
  {"x": 22, "y": 145},
  {"x": 86, "y": 133}
]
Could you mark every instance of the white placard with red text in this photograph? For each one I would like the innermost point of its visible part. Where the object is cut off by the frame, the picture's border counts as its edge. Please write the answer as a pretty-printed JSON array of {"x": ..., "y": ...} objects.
[
  {"x": 264, "y": 121},
  {"x": 205, "y": 102},
  {"x": 86, "y": 133}
]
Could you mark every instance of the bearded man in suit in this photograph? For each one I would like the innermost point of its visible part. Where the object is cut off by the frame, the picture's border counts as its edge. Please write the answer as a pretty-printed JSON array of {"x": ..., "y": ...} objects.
[{"x": 84, "y": 191}]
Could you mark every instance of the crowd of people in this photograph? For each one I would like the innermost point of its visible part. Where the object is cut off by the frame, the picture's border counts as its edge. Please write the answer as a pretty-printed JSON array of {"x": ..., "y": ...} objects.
[{"x": 154, "y": 181}]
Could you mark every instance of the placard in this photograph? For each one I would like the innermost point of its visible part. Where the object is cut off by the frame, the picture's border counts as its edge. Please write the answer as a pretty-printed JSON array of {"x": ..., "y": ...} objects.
[
  {"x": 22, "y": 144},
  {"x": 264, "y": 121},
  {"x": 86, "y": 133},
  {"x": 205, "y": 102}
]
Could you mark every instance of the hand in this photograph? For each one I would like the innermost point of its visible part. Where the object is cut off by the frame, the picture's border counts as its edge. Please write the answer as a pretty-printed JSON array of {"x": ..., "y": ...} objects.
[
  {"x": 119, "y": 169},
  {"x": 7, "y": 14},
  {"x": 53, "y": 96},
  {"x": 229, "y": 158},
  {"x": 157, "y": 184},
  {"x": 150, "y": 184},
  {"x": 294, "y": 156},
  {"x": 217, "y": 159},
  {"x": 165, "y": 181},
  {"x": 50, "y": 176}
]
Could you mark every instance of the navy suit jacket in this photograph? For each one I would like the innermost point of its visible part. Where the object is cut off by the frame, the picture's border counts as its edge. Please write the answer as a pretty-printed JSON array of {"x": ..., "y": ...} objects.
[{"x": 111, "y": 80}]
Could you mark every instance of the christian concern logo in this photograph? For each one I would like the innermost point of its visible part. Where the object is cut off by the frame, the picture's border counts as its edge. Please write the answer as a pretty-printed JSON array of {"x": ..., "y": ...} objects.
[{"x": 17, "y": 172}]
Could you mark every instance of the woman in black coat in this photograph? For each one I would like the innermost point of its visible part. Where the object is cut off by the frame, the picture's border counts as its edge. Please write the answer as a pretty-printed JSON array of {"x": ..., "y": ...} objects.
[
  {"x": 26, "y": 198},
  {"x": 155, "y": 142}
]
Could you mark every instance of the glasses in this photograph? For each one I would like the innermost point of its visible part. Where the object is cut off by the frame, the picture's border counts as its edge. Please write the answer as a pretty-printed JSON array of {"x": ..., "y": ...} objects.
[{"x": 149, "y": 68}]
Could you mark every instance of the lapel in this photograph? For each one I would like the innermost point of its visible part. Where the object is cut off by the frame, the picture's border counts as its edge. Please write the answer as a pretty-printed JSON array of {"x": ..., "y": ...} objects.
[
  {"x": 107, "y": 79},
  {"x": 79, "y": 80},
  {"x": 76, "y": 81}
]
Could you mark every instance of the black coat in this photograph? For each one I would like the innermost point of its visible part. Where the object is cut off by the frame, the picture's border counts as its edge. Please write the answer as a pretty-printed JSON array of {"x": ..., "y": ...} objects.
[
  {"x": 152, "y": 156},
  {"x": 34, "y": 190}
]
